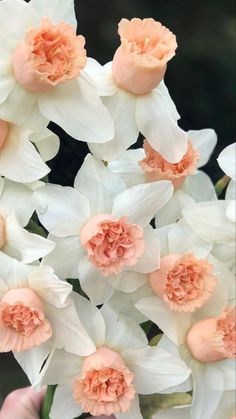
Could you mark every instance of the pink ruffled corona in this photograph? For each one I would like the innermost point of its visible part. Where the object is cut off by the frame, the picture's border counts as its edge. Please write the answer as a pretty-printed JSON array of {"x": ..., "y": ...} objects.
[
  {"x": 139, "y": 64},
  {"x": 105, "y": 385},
  {"x": 49, "y": 55},
  {"x": 3, "y": 133},
  {"x": 183, "y": 282},
  {"x": 157, "y": 168},
  {"x": 112, "y": 243},
  {"x": 2, "y": 233},
  {"x": 214, "y": 339},
  {"x": 22, "y": 321}
]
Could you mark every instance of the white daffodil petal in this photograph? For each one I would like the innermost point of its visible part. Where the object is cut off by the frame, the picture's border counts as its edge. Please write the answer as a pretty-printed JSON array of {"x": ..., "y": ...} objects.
[
  {"x": 226, "y": 160},
  {"x": 101, "y": 77},
  {"x": 7, "y": 81},
  {"x": 141, "y": 202},
  {"x": 13, "y": 272},
  {"x": 155, "y": 369},
  {"x": 93, "y": 283},
  {"x": 91, "y": 319},
  {"x": 23, "y": 245},
  {"x": 156, "y": 123},
  {"x": 133, "y": 412},
  {"x": 50, "y": 287},
  {"x": 231, "y": 211},
  {"x": 173, "y": 324},
  {"x": 193, "y": 186},
  {"x": 98, "y": 184},
  {"x": 76, "y": 107},
  {"x": 61, "y": 209},
  {"x": 178, "y": 412},
  {"x": 121, "y": 106},
  {"x": 19, "y": 160},
  {"x": 64, "y": 259},
  {"x": 171, "y": 211},
  {"x": 227, "y": 368},
  {"x": 56, "y": 10},
  {"x": 68, "y": 331},
  {"x": 131, "y": 281},
  {"x": 47, "y": 144},
  {"x": 204, "y": 141},
  {"x": 231, "y": 190},
  {"x": 64, "y": 406},
  {"x": 121, "y": 331},
  {"x": 150, "y": 260},
  {"x": 31, "y": 361},
  {"x": 182, "y": 239},
  {"x": 127, "y": 167}
]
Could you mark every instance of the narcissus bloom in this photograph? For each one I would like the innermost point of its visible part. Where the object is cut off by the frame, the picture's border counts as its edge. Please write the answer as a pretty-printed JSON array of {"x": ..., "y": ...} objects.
[
  {"x": 101, "y": 229},
  {"x": 41, "y": 75},
  {"x": 19, "y": 159},
  {"x": 147, "y": 165},
  {"x": 109, "y": 380},
  {"x": 36, "y": 314},
  {"x": 227, "y": 162},
  {"x": 134, "y": 92}
]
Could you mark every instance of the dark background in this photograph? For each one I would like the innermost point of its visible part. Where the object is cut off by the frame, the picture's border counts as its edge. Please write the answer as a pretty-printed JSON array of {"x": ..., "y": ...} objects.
[{"x": 201, "y": 81}]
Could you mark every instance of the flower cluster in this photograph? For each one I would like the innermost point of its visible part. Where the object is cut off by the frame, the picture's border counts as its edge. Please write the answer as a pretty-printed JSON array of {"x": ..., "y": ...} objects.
[{"x": 141, "y": 239}]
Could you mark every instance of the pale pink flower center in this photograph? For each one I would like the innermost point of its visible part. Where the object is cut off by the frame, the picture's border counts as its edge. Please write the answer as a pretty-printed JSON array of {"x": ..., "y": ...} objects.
[
  {"x": 22, "y": 319},
  {"x": 2, "y": 233},
  {"x": 49, "y": 55},
  {"x": 184, "y": 283},
  {"x": 157, "y": 168},
  {"x": 105, "y": 386},
  {"x": 214, "y": 339},
  {"x": 3, "y": 133},
  {"x": 112, "y": 243}
]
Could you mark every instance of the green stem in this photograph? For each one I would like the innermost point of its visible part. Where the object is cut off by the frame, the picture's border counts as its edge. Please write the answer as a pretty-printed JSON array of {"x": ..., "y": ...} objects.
[
  {"x": 47, "y": 402},
  {"x": 221, "y": 184}
]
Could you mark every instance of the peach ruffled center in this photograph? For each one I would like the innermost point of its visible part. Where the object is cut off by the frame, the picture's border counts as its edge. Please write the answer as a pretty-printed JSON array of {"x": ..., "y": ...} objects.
[
  {"x": 2, "y": 233},
  {"x": 22, "y": 321},
  {"x": 157, "y": 168},
  {"x": 112, "y": 243},
  {"x": 105, "y": 386},
  {"x": 3, "y": 133},
  {"x": 214, "y": 339},
  {"x": 49, "y": 55},
  {"x": 139, "y": 64},
  {"x": 183, "y": 282}
]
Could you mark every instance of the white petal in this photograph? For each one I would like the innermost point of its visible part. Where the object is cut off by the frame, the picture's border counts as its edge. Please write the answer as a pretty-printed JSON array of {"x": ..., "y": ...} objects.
[
  {"x": 49, "y": 287},
  {"x": 31, "y": 361},
  {"x": 64, "y": 259},
  {"x": 231, "y": 211},
  {"x": 141, "y": 202},
  {"x": 7, "y": 81},
  {"x": 193, "y": 187},
  {"x": 231, "y": 190},
  {"x": 68, "y": 331},
  {"x": 47, "y": 144},
  {"x": 76, "y": 107},
  {"x": 174, "y": 325},
  {"x": 131, "y": 281},
  {"x": 93, "y": 283},
  {"x": 154, "y": 369},
  {"x": 226, "y": 160},
  {"x": 91, "y": 319},
  {"x": 19, "y": 161},
  {"x": 121, "y": 331},
  {"x": 13, "y": 272},
  {"x": 98, "y": 184},
  {"x": 64, "y": 405},
  {"x": 150, "y": 260},
  {"x": 23, "y": 245},
  {"x": 56, "y": 10},
  {"x": 21, "y": 108},
  {"x": 61, "y": 209},
  {"x": 226, "y": 254},
  {"x": 227, "y": 368},
  {"x": 208, "y": 385},
  {"x": 204, "y": 141},
  {"x": 121, "y": 106},
  {"x": 171, "y": 211},
  {"x": 209, "y": 221},
  {"x": 133, "y": 412},
  {"x": 178, "y": 412},
  {"x": 127, "y": 167},
  {"x": 101, "y": 77},
  {"x": 155, "y": 121}
]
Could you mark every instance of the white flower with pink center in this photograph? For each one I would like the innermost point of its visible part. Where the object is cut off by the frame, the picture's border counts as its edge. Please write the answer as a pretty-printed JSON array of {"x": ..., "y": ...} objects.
[
  {"x": 37, "y": 314},
  {"x": 134, "y": 92},
  {"x": 15, "y": 240},
  {"x": 101, "y": 229},
  {"x": 109, "y": 380},
  {"x": 147, "y": 165},
  {"x": 20, "y": 161},
  {"x": 42, "y": 74}
]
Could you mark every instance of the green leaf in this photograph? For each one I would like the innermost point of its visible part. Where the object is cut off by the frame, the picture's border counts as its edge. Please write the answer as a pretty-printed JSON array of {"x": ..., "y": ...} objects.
[
  {"x": 150, "y": 404},
  {"x": 47, "y": 402},
  {"x": 154, "y": 341}
]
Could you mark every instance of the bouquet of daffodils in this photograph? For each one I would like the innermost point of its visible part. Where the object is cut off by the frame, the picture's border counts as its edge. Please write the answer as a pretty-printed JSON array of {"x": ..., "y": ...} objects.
[{"x": 116, "y": 293}]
